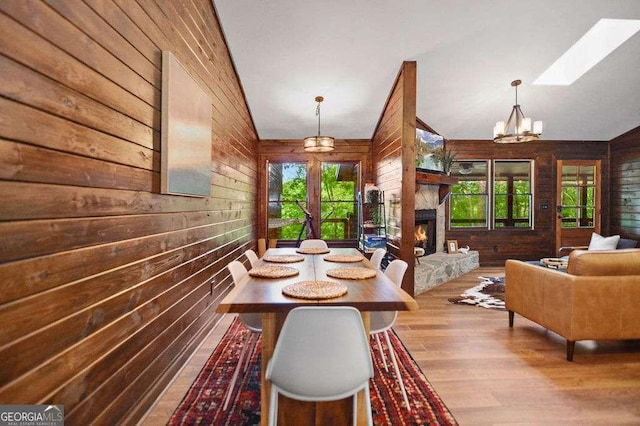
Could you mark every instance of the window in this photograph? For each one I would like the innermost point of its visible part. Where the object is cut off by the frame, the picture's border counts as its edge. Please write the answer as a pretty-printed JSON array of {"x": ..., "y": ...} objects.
[
  {"x": 578, "y": 196},
  {"x": 470, "y": 197},
  {"x": 338, "y": 201},
  {"x": 293, "y": 193},
  {"x": 287, "y": 188},
  {"x": 512, "y": 194},
  {"x": 494, "y": 194}
]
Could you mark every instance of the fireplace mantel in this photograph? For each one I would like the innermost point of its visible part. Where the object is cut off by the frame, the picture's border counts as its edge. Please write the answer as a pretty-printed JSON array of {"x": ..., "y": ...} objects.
[
  {"x": 426, "y": 178},
  {"x": 444, "y": 182}
]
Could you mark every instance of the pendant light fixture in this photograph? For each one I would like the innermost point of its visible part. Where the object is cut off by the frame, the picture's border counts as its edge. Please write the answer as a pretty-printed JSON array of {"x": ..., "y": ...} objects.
[
  {"x": 319, "y": 143},
  {"x": 523, "y": 131}
]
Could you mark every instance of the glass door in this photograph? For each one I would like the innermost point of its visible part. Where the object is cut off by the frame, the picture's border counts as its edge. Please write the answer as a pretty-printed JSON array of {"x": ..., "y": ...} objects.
[
  {"x": 338, "y": 191},
  {"x": 287, "y": 201},
  {"x": 312, "y": 200},
  {"x": 578, "y": 202}
]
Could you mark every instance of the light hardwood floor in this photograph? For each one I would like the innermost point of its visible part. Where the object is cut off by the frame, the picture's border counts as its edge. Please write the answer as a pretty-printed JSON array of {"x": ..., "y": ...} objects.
[{"x": 488, "y": 374}]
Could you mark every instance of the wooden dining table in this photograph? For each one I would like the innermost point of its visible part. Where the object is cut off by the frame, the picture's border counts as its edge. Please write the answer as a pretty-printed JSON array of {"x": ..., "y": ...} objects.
[{"x": 265, "y": 296}]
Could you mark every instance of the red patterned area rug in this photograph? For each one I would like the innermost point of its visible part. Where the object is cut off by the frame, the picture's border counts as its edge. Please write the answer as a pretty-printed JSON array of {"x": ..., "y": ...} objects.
[
  {"x": 202, "y": 405},
  {"x": 488, "y": 294}
]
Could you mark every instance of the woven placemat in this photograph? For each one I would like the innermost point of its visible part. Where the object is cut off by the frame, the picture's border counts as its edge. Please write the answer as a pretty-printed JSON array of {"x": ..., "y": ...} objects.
[
  {"x": 313, "y": 250},
  {"x": 283, "y": 258},
  {"x": 273, "y": 271},
  {"x": 352, "y": 273},
  {"x": 315, "y": 290},
  {"x": 344, "y": 258}
]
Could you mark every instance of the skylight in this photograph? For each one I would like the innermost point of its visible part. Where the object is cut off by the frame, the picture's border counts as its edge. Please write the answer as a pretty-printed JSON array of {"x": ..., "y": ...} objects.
[{"x": 603, "y": 38}]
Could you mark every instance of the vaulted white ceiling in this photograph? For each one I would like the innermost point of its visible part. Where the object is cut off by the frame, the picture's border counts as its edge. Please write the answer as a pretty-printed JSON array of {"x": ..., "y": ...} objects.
[{"x": 467, "y": 51}]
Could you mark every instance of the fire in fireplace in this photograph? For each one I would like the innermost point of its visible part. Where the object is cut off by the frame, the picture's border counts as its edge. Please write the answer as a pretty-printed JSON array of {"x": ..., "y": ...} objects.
[{"x": 425, "y": 230}]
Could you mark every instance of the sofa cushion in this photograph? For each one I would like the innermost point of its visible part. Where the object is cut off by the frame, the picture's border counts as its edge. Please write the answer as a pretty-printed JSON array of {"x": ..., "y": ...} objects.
[
  {"x": 598, "y": 242},
  {"x": 626, "y": 243},
  {"x": 600, "y": 263}
]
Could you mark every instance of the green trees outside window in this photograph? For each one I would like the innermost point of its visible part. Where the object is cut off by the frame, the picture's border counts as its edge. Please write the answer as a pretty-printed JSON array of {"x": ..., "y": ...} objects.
[
  {"x": 512, "y": 194},
  {"x": 288, "y": 189},
  {"x": 338, "y": 184},
  {"x": 469, "y": 199},
  {"x": 502, "y": 199},
  {"x": 287, "y": 186},
  {"x": 578, "y": 196}
]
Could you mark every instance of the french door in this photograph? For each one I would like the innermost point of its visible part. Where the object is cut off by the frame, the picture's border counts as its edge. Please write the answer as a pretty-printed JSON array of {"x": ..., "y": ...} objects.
[
  {"x": 312, "y": 200},
  {"x": 578, "y": 202}
]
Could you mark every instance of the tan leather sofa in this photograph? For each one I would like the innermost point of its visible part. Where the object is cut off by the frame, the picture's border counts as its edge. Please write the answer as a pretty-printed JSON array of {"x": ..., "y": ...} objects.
[{"x": 597, "y": 298}]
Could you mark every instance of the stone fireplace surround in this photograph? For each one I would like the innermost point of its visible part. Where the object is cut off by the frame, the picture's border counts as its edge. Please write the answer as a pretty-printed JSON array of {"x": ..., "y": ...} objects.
[{"x": 439, "y": 267}]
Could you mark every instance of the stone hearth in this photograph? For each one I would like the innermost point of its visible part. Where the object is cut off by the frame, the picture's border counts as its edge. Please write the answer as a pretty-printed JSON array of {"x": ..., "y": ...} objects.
[{"x": 439, "y": 268}]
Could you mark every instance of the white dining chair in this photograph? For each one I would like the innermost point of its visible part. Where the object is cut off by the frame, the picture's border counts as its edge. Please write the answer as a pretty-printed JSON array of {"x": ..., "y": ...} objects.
[
  {"x": 313, "y": 243},
  {"x": 253, "y": 258},
  {"x": 376, "y": 257},
  {"x": 322, "y": 354},
  {"x": 251, "y": 321},
  {"x": 382, "y": 321}
]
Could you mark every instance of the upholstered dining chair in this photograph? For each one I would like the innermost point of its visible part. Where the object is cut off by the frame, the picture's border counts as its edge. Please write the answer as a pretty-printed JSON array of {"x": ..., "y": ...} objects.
[
  {"x": 382, "y": 321},
  {"x": 253, "y": 322},
  {"x": 376, "y": 257},
  {"x": 253, "y": 258},
  {"x": 322, "y": 354},
  {"x": 313, "y": 243}
]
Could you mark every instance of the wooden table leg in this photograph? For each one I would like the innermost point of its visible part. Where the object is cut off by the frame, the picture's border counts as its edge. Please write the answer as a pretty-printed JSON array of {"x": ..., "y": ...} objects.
[
  {"x": 362, "y": 404},
  {"x": 270, "y": 332}
]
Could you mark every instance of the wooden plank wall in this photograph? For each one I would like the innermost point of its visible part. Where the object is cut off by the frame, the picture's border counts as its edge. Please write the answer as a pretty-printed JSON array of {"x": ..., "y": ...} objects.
[
  {"x": 496, "y": 246},
  {"x": 624, "y": 192},
  {"x": 393, "y": 159},
  {"x": 107, "y": 285}
]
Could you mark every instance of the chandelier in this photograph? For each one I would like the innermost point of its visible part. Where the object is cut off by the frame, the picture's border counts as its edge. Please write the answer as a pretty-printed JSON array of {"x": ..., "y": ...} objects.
[
  {"x": 319, "y": 143},
  {"x": 523, "y": 131}
]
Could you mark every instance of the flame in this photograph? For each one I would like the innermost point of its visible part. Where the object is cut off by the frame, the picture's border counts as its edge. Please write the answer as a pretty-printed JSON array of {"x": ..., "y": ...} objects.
[{"x": 420, "y": 234}]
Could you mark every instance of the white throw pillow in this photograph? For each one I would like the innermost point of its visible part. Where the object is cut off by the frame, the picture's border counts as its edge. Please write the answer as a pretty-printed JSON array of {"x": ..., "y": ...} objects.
[{"x": 598, "y": 242}]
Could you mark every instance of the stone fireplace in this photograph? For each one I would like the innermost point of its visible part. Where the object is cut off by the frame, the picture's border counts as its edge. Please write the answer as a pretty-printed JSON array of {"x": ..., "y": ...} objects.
[
  {"x": 425, "y": 230},
  {"x": 436, "y": 266},
  {"x": 430, "y": 211}
]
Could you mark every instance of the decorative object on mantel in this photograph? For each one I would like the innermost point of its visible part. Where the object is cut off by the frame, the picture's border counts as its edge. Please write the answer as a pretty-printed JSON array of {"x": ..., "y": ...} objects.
[
  {"x": 523, "y": 131},
  {"x": 464, "y": 250},
  {"x": 429, "y": 146},
  {"x": 422, "y": 150},
  {"x": 446, "y": 159},
  {"x": 319, "y": 143}
]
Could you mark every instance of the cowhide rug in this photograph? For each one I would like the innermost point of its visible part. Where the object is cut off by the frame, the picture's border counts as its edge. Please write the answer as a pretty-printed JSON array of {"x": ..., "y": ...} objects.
[{"x": 488, "y": 294}]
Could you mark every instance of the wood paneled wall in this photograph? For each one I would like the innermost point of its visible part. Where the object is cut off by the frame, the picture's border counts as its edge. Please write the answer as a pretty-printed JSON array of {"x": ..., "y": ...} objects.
[
  {"x": 393, "y": 160},
  {"x": 496, "y": 246},
  {"x": 107, "y": 285},
  {"x": 624, "y": 192}
]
